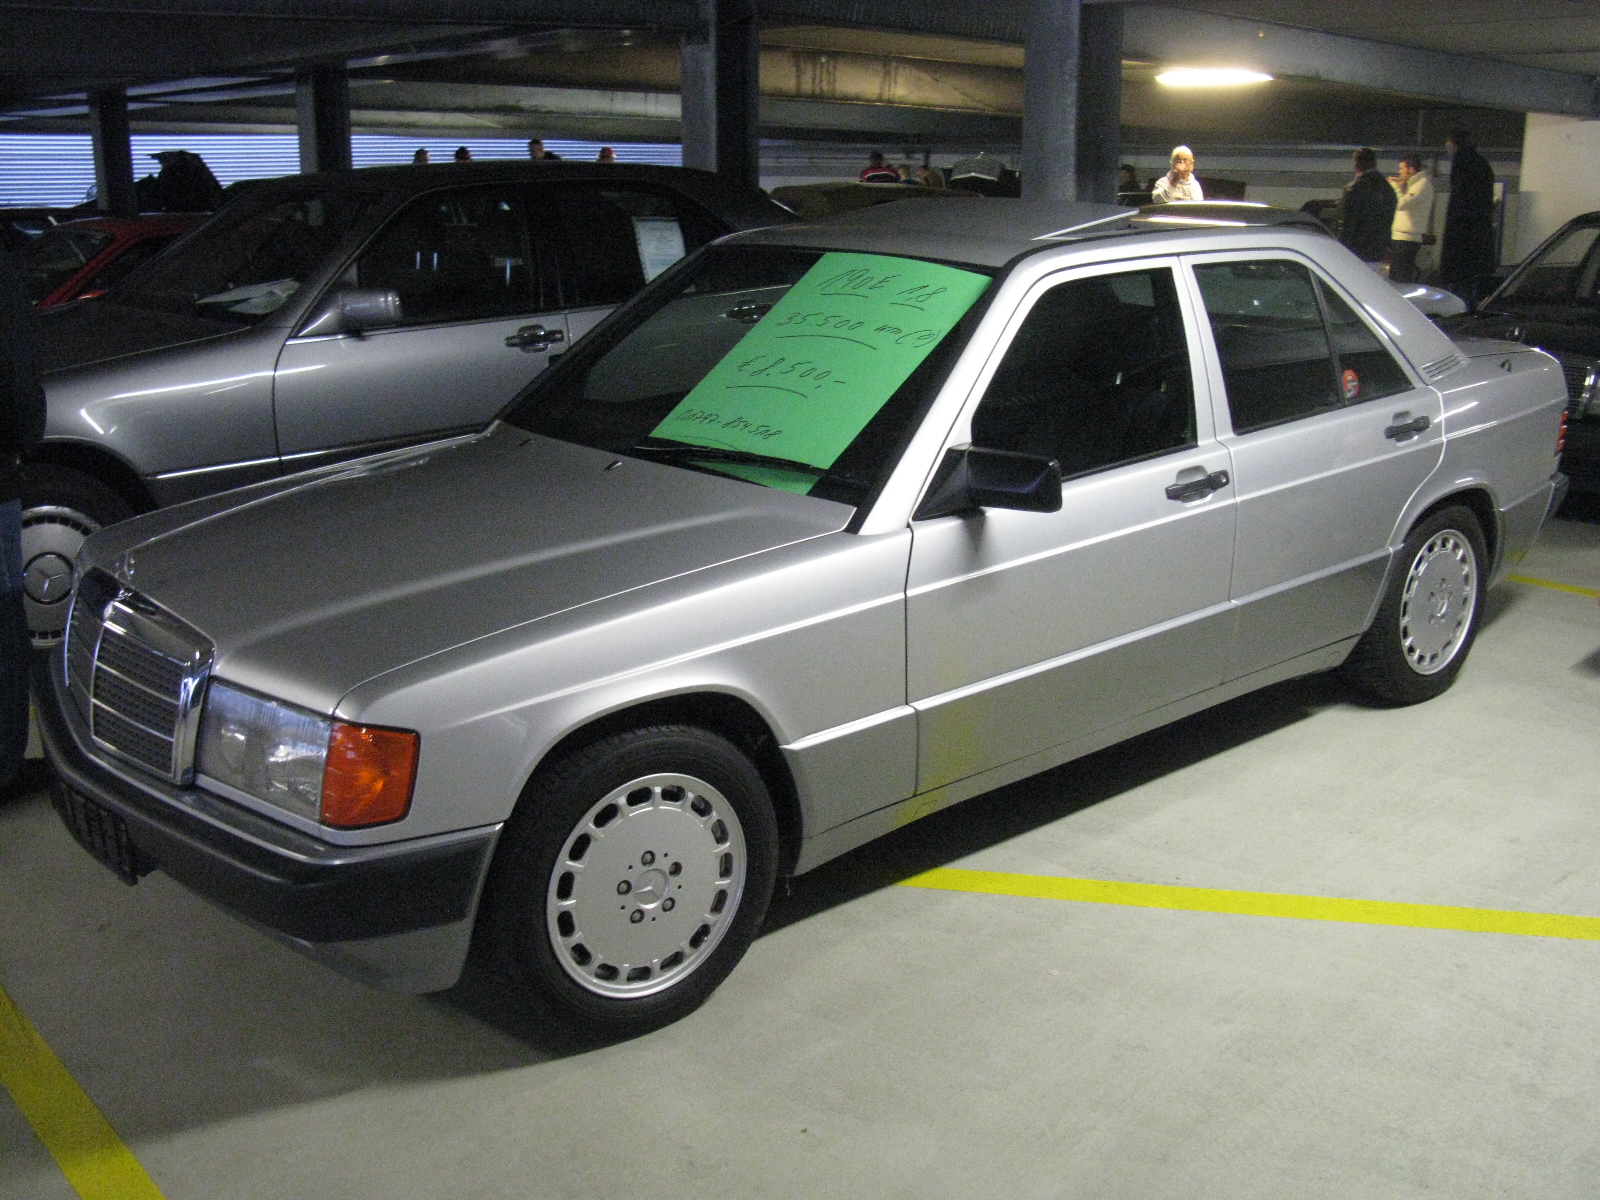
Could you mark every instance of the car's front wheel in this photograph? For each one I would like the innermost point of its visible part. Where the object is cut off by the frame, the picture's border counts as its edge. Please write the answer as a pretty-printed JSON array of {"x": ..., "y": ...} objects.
[
  {"x": 632, "y": 878},
  {"x": 1429, "y": 614},
  {"x": 61, "y": 506}
]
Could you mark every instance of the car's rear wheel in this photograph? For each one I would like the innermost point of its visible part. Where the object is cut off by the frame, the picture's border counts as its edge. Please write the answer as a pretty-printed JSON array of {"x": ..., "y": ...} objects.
[
  {"x": 61, "y": 507},
  {"x": 632, "y": 878},
  {"x": 1429, "y": 615}
]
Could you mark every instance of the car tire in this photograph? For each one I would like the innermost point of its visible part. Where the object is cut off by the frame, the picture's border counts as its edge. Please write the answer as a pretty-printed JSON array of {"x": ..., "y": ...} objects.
[
  {"x": 61, "y": 506},
  {"x": 631, "y": 879},
  {"x": 1429, "y": 615}
]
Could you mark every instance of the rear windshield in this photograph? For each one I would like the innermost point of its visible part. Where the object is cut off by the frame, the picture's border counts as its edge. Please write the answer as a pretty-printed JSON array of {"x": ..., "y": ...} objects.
[
  {"x": 794, "y": 369},
  {"x": 55, "y": 256},
  {"x": 250, "y": 259}
]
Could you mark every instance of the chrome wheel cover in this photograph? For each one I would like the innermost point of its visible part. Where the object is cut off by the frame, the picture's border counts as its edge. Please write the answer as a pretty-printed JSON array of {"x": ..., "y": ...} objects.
[
  {"x": 646, "y": 886},
  {"x": 1437, "y": 605},
  {"x": 51, "y": 536}
]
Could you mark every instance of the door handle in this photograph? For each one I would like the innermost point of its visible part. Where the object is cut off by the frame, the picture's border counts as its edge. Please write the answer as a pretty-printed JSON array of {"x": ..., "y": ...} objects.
[
  {"x": 1404, "y": 427},
  {"x": 1197, "y": 485},
  {"x": 535, "y": 338}
]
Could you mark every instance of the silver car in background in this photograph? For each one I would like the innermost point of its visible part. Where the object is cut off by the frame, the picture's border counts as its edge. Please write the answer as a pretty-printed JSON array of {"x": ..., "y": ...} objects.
[
  {"x": 323, "y": 317},
  {"x": 835, "y": 525}
]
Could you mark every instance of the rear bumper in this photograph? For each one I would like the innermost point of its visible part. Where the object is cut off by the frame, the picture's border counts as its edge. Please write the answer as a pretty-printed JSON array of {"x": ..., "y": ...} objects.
[{"x": 303, "y": 890}]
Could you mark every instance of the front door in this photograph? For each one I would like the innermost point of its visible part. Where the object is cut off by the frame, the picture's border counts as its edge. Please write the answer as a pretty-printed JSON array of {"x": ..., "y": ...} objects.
[
  {"x": 1330, "y": 437},
  {"x": 467, "y": 265},
  {"x": 1026, "y": 631}
]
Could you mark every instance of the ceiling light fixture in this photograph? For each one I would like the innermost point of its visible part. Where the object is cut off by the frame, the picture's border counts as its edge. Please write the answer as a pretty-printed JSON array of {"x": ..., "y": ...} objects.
[{"x": 1210, "y": 77}]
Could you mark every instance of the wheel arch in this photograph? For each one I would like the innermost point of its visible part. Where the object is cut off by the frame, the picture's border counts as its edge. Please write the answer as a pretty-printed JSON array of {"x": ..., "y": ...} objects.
[
  {"x": 717, "y": 712},
  {"x": 100, "y": 464},
  {"x": 1481, "y": 504}
]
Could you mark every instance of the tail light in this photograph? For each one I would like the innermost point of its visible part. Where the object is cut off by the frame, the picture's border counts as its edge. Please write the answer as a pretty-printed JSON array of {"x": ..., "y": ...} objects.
[{"x": 1561, "y": 433}]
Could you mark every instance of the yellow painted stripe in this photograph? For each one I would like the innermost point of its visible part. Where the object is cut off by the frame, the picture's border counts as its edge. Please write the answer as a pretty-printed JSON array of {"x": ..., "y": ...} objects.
[
  {"x": 1259, "y": 904},
  {"x": 88, "y": 1150},
  {"x": 1553, "y": 586}
]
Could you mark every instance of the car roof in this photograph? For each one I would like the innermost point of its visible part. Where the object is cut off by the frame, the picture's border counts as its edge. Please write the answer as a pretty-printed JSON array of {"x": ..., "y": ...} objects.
[{"x": 990, "y": 231}]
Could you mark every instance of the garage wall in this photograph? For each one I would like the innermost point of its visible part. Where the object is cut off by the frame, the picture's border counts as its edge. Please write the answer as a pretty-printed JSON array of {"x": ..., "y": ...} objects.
[{"x": 1560, "y": 175}]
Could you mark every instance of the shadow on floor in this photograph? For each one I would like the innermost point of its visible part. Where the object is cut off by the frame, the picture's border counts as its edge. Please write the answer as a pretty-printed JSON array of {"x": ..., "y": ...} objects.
[{"x": 1029, "y": 804}]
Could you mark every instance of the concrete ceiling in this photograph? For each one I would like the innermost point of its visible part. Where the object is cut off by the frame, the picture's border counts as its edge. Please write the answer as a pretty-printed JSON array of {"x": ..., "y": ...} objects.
[{"x": 1562, "y": 35}]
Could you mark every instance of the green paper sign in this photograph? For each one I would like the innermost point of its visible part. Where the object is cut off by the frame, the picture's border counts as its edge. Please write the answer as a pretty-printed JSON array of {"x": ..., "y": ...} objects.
[{"x": 820, "y": 364}]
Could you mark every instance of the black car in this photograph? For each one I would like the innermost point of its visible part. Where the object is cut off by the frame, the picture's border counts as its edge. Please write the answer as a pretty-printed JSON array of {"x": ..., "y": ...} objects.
[{"x": 1552, "y": 301}]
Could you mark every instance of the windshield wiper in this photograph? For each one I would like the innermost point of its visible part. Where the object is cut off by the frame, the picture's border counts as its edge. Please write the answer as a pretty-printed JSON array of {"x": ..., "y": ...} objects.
[{"x": 683, "y": 452}]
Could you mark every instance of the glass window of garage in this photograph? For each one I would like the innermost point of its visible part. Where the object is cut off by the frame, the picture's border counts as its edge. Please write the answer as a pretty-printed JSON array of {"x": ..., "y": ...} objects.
[
  {"x": 1266, "y": 319},
  {"x": 1097, "y": 376},
  {"x": 617, "y": 238},
  {"x": 458, "y": 255}
]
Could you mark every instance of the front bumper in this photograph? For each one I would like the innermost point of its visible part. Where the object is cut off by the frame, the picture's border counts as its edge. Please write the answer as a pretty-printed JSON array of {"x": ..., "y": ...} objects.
[{"x": 304, "y": 890}]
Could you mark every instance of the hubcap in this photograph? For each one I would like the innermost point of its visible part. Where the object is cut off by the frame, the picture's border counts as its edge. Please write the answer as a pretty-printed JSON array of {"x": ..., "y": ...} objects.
[
  {"x": 646, "y": 885},
  {"x": 51, "y": 536},
  {"x": 1437, "y": 605}
]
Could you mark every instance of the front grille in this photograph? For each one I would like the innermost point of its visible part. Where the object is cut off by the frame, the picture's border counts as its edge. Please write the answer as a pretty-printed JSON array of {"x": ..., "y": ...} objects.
[
  {"x": 136, "y": 673},
  {"x": 1580, "y": 374}
]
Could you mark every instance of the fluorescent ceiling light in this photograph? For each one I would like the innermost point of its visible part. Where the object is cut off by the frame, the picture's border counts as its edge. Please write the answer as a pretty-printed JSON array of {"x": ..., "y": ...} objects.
[{"x": 1210, "y": 77}]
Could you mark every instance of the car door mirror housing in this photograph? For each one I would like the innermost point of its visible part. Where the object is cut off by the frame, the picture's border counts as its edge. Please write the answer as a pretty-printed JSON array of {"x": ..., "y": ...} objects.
[
  {"x": 974, "y": 477},
  {"x": 354, "y": 310}
]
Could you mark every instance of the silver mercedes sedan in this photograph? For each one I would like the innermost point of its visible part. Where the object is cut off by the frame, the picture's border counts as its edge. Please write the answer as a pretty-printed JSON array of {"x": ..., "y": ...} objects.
[{"x": 835, "y": 525}]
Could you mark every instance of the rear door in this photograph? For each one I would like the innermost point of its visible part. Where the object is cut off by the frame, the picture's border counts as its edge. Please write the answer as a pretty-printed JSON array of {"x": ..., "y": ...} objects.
[
  {"x": 1330, "y": 437},
  {"x": 1026, "y": 631},
  {"x": 471, "y": 271}
]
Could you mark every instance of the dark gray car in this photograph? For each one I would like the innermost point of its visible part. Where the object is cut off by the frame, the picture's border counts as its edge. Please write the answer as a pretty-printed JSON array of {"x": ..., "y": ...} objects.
[{"x": 327, "y": 316}]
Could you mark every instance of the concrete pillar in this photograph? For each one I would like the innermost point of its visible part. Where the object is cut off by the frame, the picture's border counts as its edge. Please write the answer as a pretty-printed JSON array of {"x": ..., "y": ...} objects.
[
  {"x": 1050, "y": 101},
  {"x": 698, "y": 90},
  {"x": 113, "y": 152},
  {"x": 1560, "y": 178},
  {"x": 1099, "y": 144},
  {"x": 736, "y": 48},
  {"x": 322, "y": 114}
]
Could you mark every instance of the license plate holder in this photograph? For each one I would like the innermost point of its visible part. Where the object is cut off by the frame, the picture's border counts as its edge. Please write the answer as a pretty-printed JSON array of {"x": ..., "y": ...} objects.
[{"x": 100, "y": 831}]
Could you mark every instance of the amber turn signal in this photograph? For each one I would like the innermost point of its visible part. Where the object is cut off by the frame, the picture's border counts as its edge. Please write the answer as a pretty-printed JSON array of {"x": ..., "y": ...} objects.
[{"x": 369, "y": 775}]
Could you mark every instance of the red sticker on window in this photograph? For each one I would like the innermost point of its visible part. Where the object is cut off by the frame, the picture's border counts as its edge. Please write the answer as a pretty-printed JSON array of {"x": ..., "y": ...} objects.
[{"x": 1352, "y": 384}]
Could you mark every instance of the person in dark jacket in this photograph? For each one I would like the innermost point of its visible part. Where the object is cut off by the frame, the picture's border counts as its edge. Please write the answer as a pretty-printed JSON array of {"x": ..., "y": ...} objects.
[
  {"x": 1366, "y": 213},
  {"x": 1466, "y": 253},
  {"x": 22, "y": 414}
]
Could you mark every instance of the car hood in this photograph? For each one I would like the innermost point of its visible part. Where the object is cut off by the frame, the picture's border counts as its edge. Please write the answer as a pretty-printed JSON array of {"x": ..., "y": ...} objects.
[
  {"x": 92, "y": 331},
  {"x": 311, "y": 587}
]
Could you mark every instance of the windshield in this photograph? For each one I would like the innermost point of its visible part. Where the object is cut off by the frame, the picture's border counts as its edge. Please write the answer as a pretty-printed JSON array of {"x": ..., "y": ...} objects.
[
  {"x": 250, "y": 259},
  {"x": 54, "y": 257},
  {"x": 1564, "y": 273},
  {"x": 794, "y": 369}
]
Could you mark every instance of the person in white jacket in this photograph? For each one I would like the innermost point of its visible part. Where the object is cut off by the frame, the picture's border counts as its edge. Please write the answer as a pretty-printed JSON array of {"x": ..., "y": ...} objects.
[
  {"x": 1178, "y": 183},
  {"x": 1413, "y": 218}
]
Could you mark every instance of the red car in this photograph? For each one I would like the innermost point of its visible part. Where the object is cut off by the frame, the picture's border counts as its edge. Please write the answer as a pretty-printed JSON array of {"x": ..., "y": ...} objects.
[{"x": 77, "y": 259}]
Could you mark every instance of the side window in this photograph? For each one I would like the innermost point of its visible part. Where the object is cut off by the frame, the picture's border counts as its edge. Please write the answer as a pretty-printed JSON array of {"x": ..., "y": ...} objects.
[
  {"x": 1097, "y": 376},
  {"x": 619, "y": 238},
  {"x": 1276, "y": 362},
  {"x": 457, "y": 256},
  {"x": 1367, "y": 371},
  {"x": 119, "y": 269}
]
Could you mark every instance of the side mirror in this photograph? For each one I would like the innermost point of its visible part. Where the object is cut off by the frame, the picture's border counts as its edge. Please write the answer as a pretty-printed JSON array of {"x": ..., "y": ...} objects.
[
  {"x": 354, "y": 310},
  {"x": 972, "y": 477}
]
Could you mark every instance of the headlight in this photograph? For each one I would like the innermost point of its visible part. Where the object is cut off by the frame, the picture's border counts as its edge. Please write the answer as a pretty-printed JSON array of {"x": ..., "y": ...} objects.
[{"x": 281, "y": 754}]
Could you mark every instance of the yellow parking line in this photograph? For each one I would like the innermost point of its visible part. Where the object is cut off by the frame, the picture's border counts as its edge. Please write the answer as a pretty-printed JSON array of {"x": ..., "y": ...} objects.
[
  {"x": 1259, "y": 904},
  {"x": 1554, "y": 586},
  {"x": 87, "y": 1149}
]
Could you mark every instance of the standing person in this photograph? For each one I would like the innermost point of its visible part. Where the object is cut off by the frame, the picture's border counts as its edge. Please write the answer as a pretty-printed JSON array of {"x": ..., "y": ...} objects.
[
  {"x": 21, "y": 425},
  {"x": 1413, "y": 218},
  {"x": 538, "y": 153},
  {"x": 607, "y": 154},
  {"x": 420, "y": 158},
  {"x": 1366, "y": 211},
  {"x": 462, "y": 154},
  {"x": 1468, "y": 250},
  {"x": 877, "y": 171},
  {"x": 1178, "y": 183}
]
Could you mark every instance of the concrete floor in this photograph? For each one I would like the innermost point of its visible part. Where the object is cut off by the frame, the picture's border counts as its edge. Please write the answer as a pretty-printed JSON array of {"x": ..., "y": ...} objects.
[{"x": 889, "y": 1042}]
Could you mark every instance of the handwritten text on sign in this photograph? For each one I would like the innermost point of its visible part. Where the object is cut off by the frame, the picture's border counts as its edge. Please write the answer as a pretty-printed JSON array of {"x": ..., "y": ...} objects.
[{"x": 816, "y": 368}]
